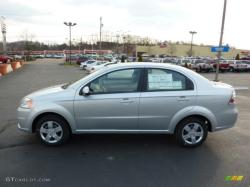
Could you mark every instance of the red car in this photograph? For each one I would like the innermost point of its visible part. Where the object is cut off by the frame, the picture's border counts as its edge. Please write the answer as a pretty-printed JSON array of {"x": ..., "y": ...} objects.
[
  {"x": 223, "y": 65},
  {"x": 5, "y": 59}
]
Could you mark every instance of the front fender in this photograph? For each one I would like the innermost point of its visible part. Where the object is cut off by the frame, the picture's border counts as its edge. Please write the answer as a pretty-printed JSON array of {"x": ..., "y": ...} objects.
[
  {"x": 57, "y": 109},
  {"x": 190, "y": 111}
]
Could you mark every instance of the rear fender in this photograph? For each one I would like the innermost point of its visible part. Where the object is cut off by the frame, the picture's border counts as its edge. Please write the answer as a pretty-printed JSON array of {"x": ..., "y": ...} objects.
[{"x": 191, "y": 111}]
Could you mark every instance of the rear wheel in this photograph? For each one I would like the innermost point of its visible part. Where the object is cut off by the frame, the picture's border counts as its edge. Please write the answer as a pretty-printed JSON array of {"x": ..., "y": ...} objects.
[
  {"x": 52, "y": 130},
  {"x": 191, "y": 132}
]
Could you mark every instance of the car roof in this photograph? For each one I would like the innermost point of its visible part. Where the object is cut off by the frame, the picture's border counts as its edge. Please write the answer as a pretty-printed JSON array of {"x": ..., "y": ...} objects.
[
  {"x": 189, "y": 73},
  {"x": 146, "y": 65}
]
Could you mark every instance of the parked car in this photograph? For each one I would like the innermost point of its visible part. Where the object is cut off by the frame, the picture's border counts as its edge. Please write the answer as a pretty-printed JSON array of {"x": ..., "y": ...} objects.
[
  {"x": 75, "y": 58},
  {"x": 247, "y": 62},
  {"x": 170, "y": 60},
  {"x": 39, "y": 56},
  {"x": 184, "y": 62},
  {"x": 5, "y": 59},
  {"x": 81, "y": 59},
  {"x": 201, "y": 65},
  {"x": 83, "y": 65},
  {"x": 237, "y": 65},
  {"x": 57, "y": 56},
  {"x": 246, "y": 58},
  {"x": 46, "y": 56},
  {"x": 99, "y": 66},
  {"x": 95, "y": 63},
  {"x": 223, "y": 65},
  {"x": 17, "y": 57},
  {"x": 131, "y": 98}
]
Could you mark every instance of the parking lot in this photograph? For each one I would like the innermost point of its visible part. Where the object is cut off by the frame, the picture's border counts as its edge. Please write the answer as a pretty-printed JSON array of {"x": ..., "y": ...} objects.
[{"x": 116, "y": 160}]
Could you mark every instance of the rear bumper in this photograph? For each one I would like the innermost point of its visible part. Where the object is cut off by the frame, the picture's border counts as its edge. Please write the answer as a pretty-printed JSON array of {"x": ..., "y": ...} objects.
[
  {"x": 223, "y": 68},
  {"x": 227, "y": 120}
]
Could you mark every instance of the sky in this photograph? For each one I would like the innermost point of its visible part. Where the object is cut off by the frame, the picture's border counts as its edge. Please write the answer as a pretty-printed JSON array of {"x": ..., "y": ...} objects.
[{"x": 157, "y": 19}]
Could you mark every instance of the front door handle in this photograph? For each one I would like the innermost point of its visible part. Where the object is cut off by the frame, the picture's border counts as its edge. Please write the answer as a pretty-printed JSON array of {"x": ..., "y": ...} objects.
[{"x": 183, "y": 98}]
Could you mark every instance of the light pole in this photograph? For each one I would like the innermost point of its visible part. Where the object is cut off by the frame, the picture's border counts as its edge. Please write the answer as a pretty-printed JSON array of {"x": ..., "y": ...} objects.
[
  {"x": 101, "y": 25},
  {"x": 191, "y": 47},
  {"x": 69, "y": 24},
  {"x": 3, "y": 27},
  {"x": 124, "y": 37},
  {"x": 221, "y": 38},
  {"x": 117, "y": 42}
]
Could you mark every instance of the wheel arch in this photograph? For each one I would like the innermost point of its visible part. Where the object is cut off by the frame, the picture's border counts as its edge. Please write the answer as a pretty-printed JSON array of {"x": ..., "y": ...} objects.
[
  {"x": 203, "y": 118},
  {"x": 195, "y": 111},
  {"x": 34, "y": 122}
]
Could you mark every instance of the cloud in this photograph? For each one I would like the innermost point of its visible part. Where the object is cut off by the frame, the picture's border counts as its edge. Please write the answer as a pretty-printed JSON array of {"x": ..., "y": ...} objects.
[
  {"x": 17, "y": 11},
  {"x": 160, "y": 19}
]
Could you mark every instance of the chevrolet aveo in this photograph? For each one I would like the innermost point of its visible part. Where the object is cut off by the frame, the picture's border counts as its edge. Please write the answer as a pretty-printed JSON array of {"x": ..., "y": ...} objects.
[{"x": 131, "y": 98}]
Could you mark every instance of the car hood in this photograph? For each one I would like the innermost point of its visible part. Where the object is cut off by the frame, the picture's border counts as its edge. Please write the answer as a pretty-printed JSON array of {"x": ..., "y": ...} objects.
[{"x": 46, "y": 91}]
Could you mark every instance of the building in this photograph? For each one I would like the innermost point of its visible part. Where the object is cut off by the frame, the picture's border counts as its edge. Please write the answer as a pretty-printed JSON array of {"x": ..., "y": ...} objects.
[{"x": 183, "y": 49}]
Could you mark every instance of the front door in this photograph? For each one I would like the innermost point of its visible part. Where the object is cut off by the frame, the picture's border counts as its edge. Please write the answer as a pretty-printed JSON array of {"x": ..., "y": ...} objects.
[{"x": 112, "y": 103}]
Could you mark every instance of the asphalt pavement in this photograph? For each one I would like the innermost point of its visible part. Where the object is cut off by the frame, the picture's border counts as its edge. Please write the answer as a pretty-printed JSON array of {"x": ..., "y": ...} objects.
[{"x": 116, "y": 160}]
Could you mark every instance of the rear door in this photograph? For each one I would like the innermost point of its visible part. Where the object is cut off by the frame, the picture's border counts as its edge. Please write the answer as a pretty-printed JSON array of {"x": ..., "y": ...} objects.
[{"x": 166, "y": 92}]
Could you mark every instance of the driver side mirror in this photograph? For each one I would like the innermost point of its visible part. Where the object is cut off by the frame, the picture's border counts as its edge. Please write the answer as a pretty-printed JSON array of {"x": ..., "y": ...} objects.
[{"x": 85, "y": 90}]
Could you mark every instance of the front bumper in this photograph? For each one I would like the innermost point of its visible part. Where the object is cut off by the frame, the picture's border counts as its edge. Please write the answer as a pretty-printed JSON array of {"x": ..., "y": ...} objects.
[
  {"x": 22, "y": 128},
  {"x": 24, "y": 119}
]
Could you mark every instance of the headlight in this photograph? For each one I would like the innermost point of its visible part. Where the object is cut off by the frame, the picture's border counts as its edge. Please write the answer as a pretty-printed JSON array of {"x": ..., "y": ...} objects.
[{"x": 26, "y": 103}]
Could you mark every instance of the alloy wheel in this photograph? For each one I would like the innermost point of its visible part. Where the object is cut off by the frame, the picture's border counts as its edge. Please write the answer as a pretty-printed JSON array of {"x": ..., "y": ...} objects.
[
  {"x": 192, "y": 133},
  {"x": 51, "y": 132}
]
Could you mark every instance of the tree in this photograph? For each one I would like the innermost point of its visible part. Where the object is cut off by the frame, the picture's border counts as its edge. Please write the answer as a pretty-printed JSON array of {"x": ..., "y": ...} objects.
[
  {"x": 237, "y": 57},
  {"x": 140, "y": 58},
  {"x": 27, "y": 38}
]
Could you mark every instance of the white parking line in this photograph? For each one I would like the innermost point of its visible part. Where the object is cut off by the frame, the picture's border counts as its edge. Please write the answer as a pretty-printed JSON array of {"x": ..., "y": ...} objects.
[{"x": 241, "y": 88}]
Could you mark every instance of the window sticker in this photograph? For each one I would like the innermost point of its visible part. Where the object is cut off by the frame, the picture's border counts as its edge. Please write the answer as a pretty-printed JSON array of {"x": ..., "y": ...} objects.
[
  {"x": 160, "y": 78},
  {"x": 160, "y": 81},
  {"x": 177, "y": 85}
]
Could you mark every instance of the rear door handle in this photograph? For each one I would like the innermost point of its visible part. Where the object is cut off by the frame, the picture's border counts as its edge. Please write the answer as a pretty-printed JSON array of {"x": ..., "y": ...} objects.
[
  {"x": 183, "y": 98},
  {"x": 126, "y": 100}
]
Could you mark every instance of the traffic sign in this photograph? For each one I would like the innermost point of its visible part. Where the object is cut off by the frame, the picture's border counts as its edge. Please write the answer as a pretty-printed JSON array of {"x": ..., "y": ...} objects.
[{"x": 220, "y": 49}]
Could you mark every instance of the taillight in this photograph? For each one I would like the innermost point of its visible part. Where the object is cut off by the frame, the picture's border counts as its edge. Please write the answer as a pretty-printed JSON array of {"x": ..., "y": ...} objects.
[{"x": 232, "y": 99}]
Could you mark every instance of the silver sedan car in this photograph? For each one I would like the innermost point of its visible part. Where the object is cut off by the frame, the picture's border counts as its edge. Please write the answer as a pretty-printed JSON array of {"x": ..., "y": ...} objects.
[{"x": 131, "y": 98}]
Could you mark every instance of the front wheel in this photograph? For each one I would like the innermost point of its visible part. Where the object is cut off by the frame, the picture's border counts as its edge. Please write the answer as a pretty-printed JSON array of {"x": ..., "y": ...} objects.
[
  {"x": 191, "y": 132},
  {"x": 52, "y": 130}
]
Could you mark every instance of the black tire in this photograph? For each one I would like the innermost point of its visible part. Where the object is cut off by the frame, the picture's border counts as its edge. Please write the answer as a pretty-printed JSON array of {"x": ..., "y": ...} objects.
[
  {"x": 232, "y": 69},
  {"x": 57, "y": 121},
  {"x": 180, "y": 132}
]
